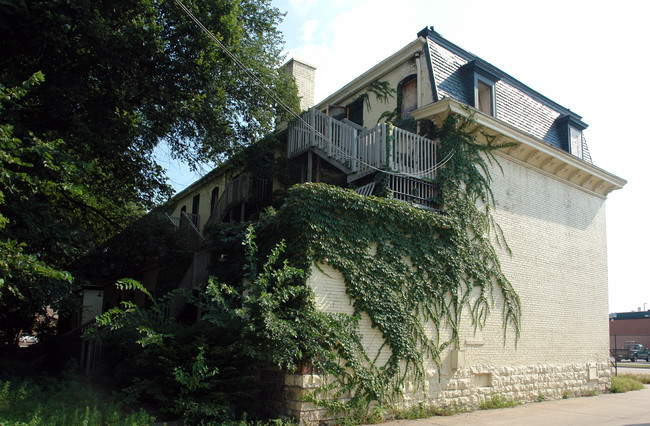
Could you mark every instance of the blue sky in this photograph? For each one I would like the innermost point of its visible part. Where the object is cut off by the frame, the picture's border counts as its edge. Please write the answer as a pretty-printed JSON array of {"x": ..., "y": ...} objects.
[{"x": 589, "y": 56}]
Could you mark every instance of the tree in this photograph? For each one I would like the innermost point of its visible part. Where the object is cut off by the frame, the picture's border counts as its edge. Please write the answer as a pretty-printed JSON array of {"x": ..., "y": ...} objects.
[
  {"x": 29, "y": 169},
  {"x": 120, "y": 78}
]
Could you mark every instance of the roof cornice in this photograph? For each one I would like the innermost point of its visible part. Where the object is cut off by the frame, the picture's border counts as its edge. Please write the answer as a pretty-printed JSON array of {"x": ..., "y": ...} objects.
[
  {"x": 374, "y": 73},
  {"x": 530, "y": 150}
]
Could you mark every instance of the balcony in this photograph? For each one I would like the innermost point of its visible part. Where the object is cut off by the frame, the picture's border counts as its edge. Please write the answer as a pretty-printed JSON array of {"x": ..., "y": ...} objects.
[
  {"x": 239, "y": 191},
  {"x": 359, "y": 151}
]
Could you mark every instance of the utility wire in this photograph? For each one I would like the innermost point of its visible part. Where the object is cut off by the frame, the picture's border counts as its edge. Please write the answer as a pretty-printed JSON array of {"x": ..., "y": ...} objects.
[{"x": 284, "y": 106}]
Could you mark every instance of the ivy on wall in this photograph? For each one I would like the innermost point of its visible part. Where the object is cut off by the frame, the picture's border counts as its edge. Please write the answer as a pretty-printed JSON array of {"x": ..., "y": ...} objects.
[
  {"x": 413, "y": 272},
  {"x": 406, "y": 268}
]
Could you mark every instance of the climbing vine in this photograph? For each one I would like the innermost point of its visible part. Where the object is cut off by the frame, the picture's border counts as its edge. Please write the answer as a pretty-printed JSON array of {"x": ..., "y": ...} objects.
[
  {"x": 409, "y": 270},
  {"x": 412, "y": 272}
]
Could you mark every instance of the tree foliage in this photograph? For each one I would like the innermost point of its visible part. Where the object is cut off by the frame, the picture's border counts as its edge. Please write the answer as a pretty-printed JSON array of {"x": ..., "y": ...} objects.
[
  {"x": 30, "y": 172},
  {"x": 121, "y": 77},
  {"x": 111, "y": 81}
]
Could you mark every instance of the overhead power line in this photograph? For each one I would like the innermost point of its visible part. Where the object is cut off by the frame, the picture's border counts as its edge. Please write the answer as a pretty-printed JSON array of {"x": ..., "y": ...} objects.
[{"x": 291, "y": 112}]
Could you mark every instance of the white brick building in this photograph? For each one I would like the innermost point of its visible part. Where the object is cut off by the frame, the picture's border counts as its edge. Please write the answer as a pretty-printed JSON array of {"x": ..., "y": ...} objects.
[{"x": 550, "y": 203}]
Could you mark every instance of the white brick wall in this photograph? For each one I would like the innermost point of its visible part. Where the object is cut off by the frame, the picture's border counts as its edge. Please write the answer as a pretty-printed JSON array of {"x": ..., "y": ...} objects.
[
  {"x": 305, "y": 76},
  {"x": 558, "y": 267}
]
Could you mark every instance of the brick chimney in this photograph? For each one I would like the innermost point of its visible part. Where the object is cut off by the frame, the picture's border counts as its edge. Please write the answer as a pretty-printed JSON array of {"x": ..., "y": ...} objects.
[{"x": 305, "y": 76}]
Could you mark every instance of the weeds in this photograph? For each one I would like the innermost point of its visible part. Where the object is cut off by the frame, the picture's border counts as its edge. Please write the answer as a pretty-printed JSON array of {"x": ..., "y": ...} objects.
[
  {"x": 498, "y": 401},
  {"x": 423, "y": 411},
  {"x": 65, "y": 402},
  {"x": 567, "y": 394},
  {"x": 625, "y": 383},
  {"x": 643, "y": 378}
]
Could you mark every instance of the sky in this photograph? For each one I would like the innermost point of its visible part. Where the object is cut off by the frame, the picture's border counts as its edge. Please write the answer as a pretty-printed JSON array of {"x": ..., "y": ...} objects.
[{"x": 588, "y": 56}]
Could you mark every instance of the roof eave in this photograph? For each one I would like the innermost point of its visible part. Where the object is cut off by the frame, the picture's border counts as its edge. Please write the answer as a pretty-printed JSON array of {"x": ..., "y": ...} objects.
[
  {"x": 530, "y": 150},
  {"x": 373, "y": 73}
]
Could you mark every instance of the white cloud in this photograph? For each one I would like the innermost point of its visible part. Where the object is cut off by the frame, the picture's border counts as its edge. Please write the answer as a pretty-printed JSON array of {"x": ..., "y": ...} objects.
[
  {"x": 302, "y": 5},
  {"x": 308, "y": 29}
]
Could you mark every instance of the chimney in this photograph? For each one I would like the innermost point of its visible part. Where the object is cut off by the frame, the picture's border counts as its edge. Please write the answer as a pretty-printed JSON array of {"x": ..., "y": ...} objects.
[{"x": 305, "y": 76}]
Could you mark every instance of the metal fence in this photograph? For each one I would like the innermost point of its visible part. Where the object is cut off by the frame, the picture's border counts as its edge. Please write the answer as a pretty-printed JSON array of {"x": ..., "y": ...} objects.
[{"x": 625, "y": 351}]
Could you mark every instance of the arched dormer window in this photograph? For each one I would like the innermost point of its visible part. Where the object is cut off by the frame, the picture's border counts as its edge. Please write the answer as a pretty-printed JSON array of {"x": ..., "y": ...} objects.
[{"x": 407, "y": 97}]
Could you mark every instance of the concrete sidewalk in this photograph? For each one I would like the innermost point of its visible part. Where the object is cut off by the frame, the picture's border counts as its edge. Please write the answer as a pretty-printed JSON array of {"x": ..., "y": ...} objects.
[{"x": 631, "y": 408}]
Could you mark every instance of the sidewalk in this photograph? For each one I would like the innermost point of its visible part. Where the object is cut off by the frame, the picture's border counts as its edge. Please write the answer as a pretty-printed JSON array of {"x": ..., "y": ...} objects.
[{"x": 631, "y": 408}]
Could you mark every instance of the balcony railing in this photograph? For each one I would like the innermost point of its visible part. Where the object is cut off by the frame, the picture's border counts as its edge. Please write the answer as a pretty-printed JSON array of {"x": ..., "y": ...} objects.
[
  {"x": 243, "y": 188},
  {"x": 414, "y": 191},
  {"x": 362, "y": 151}
]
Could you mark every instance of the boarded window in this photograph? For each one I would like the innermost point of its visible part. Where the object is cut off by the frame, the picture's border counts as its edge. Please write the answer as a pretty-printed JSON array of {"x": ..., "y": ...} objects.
[{"x": 409, "y": 99}]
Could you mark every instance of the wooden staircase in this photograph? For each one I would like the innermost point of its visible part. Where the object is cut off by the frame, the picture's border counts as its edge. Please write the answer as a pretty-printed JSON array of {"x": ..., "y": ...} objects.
[{"x": 359, "y": 151}]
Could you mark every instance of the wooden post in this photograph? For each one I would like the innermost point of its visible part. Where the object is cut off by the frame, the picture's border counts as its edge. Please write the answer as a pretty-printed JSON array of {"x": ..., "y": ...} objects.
[
  {"x": 355, "y": 150},
  {"x": 310, "y": 156},
  {"x": 330, "y": 139},
  {"x": 312, "y": 132}
]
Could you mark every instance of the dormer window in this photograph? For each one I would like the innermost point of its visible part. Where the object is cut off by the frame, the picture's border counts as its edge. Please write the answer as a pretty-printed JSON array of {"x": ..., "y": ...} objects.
[
  {"x": 481, "y": 78},
  {"x": 408, "y": 95},
  {"x": 484, "y": 97},
  {"x": 575, "y": 142},
  {"x": 571, "y": 127}
]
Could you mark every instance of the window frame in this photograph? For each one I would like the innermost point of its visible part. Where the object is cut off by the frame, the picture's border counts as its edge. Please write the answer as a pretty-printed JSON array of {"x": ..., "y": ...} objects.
[
  {"x": 411, "y": 79},
  {"x": 491, "y": 85}
]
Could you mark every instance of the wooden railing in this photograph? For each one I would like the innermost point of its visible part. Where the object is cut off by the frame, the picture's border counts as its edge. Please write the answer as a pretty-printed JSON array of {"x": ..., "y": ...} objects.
[
  {"x": 319, "y": 131},
  {"x": 414, "y": 191},
  {"x": 361, "y": 150},
  {"x": 412, "y": 154},
  {"x": 243, "y": 188}
]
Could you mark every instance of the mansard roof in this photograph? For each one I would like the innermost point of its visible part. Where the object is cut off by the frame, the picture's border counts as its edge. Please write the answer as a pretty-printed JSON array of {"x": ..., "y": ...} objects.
[{"x": 451, "y": 71}]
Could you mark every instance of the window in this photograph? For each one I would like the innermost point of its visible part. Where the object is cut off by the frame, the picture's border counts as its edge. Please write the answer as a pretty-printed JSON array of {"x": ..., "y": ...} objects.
[
  {"x": 195, "y": 204},
  {"x": 575, "y": 142},
  {"x": 570, "y": 127},
  {"x": 355, "y": 111},
  {"x": 409, "y": 97},
  {"x": 481, "y": 79},
  {"x": 213, "y": 199},
  {"x": 484, "y": 97}
]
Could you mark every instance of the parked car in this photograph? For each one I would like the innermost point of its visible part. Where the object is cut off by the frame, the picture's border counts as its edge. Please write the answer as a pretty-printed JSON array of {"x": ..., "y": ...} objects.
[
  {"x": 632, "y": 351},
  {"x": 28, "y": 338}
]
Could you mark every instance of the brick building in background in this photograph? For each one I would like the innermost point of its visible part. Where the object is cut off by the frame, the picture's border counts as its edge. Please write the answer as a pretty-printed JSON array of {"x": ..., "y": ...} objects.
[{"x": 629, "y": 326}]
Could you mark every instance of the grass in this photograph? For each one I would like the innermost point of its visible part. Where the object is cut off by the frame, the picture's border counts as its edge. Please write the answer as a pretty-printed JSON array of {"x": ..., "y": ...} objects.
[
  {"x": 423, "y": 411},
  {"x": 626, "y": 383},
  {"x": 643, "y": 378},
  {"x": 64, "y": 402},
  {"x": 498, "y": 401}
]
